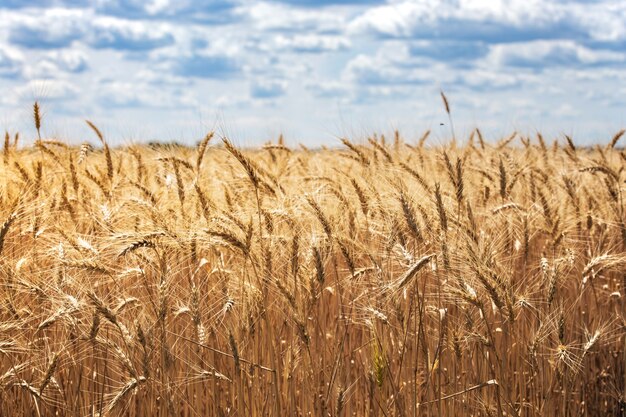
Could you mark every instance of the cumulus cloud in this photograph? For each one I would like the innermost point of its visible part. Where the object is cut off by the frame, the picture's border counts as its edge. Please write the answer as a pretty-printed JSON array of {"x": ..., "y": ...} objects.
[
  {"x": 310, "y": 43},
  {"x": 55, "y": 28},
  {"x": 277, "y": 17},
  {"x": 494, "y": 21},
  {"x": 392, "y": 65},
  {"x": 127, "y": 8},
  {"x": 49, "y": 90},
  {"x": 57, "y": 63},
  {"x": 213, "y": 11},
  {"x": 328, "y": 89},
  {"x": 11, "y": 61},
  {"x": 73, "y": 61},
  {"x": 61, "y": 28},
  {"x": 138, "y": 94},
  {"x": 107, "y": 32},
  {"x": 323, "y": 3},
  {"x": 264, "y": 89},
  {"x": 542, "y": 54},
  {"x": 19, "y": 4},
  {"x": 489, "y": 79},
  {"x": 373, "y": 94},
  {"x": 365, "y": 69},
  {"x": 459, "y": 52}
]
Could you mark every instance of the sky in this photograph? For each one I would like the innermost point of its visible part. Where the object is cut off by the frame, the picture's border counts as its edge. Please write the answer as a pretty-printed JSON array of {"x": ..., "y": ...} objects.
[{"x": 314, "y": 71}]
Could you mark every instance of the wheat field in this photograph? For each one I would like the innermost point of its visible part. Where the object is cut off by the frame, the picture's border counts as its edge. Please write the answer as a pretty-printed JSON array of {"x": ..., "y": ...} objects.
[{"x": 379, "y": 278}]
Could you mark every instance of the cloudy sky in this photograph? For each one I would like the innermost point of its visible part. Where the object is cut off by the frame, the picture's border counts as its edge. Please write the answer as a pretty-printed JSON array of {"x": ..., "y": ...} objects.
[{"x": 313, "y": 70}]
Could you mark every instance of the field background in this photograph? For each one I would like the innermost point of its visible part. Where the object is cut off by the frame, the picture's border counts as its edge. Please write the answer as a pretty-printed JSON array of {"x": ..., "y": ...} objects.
[{"x": 380, "y": 278}]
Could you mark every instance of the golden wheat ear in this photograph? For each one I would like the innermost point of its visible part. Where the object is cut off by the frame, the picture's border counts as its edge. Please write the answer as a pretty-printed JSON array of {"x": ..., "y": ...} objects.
[{"x": 37, "y": 119}]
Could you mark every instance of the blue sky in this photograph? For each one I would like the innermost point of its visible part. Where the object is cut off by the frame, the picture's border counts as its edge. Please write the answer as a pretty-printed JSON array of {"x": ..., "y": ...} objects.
[{"x": 312, "y": 70}]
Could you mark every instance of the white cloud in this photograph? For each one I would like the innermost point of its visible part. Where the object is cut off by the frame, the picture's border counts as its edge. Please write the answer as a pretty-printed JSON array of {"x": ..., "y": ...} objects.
[
  {"x": 140, "y": 94},
  {"x": 215, "y": 11},
  {"x": 494, "y": 20},
  {"x": 394, "y": 20},
  {"x": 45, "y": 89},
  {"x": 328, "y": 89},
  {"x": 59, "y": 28},
  {"x": 274, "y": 17},
  {"x": 514, "y": 12},
  {"x": 46, "y": 29},
  {"x": 122, "y": 34},
  {"x": 268, "y": 89},
  {"x": 11, "y": 61},
  {"x": 158, "y": 6},
  {"x": 604, "y": 21},
  {"x": 485, "y": 79},
  {"x": 72, "y": 60},
  {"x": 392, "y": 64},
  {"x": 57, "y": 63},
  {"x": 313, "y": 43},
  {"x": 541, "y": 54}
]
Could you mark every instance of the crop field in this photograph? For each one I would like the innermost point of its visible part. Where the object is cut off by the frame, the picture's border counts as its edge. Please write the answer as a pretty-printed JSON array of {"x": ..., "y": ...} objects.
[{"x": 377, "y": 278}]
